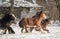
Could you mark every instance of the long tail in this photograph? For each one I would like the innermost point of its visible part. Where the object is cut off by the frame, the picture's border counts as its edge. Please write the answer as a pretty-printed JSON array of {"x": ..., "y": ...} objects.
[{"x": 21, "y": 23}]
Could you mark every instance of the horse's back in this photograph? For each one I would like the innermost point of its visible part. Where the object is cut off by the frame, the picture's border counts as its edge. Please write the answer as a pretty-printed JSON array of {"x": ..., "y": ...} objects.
[{"x": 26, "y": 21}]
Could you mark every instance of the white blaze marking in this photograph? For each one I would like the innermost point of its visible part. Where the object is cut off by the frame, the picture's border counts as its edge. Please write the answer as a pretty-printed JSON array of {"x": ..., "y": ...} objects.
[
  {"x": 45, "y": 16},
  {"x": 14, "y": 16}
]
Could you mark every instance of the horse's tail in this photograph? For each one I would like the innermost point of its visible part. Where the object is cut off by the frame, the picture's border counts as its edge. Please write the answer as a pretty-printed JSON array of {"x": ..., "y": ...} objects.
[{"x": 21, "y": 23}]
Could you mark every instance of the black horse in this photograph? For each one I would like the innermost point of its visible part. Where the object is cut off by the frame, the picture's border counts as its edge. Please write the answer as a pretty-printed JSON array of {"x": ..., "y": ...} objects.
[
  {"x": 44, "y": 24},
  {"x": 6, "y": 21}
]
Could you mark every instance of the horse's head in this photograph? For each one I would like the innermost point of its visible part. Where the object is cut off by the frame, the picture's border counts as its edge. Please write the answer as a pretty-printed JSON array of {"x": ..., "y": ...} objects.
[
  {"x": 9, "y": 17},
  {"x": 43, "y": 15},
  {"x": 13, "y": 18}
]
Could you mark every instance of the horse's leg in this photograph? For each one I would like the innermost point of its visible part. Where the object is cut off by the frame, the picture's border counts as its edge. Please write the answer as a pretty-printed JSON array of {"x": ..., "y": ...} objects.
[
  {"x": 5, "y": 31},
  {"x": 26, "y": 29},
  {"x": 22, "y": 30},
  {"x": 41, "y": 29},
  {"x": 44, "y": 28},
  {"x": 37, "y": 29},
  {"x": 10, "y": 30},
  {"x": 47, "y": 30},
  {"x": 31, "y": 29},
  {"x": 4, "y": 28}
]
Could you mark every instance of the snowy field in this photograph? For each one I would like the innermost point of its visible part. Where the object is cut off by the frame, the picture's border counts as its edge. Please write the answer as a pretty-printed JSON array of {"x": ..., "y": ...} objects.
[{"x": 53, "y": 28}]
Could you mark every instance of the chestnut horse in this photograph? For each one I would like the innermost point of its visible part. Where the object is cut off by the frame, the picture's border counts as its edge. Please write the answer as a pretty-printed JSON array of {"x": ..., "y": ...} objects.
[{"x": 35, "y": 20}]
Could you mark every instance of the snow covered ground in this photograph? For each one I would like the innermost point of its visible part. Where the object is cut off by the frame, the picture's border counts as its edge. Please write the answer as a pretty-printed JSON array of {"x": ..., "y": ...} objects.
[{"x": 54, "y": 33}]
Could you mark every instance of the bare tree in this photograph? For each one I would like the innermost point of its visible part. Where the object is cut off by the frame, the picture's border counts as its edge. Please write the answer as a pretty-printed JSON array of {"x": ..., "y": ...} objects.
[
  {"x": 12, "y": 6},
  {"x": 58, "y": 6}
]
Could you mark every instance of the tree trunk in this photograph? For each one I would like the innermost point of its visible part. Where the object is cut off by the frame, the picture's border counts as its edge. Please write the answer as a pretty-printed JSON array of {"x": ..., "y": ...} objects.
[
  {"x": 58, "y": 6},
  {"x": 12, "y": 6},
  {"x": 59, "y": 12}
]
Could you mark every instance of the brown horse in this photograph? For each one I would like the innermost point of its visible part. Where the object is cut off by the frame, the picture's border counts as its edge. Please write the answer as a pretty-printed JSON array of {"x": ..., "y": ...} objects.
[
  {"x": 44, "y": 24},
  {"x": 35, "y": 20}
]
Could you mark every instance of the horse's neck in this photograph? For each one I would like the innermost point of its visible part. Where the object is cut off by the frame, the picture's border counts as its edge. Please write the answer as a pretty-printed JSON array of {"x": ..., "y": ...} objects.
[{"x": 40, "y": 19}]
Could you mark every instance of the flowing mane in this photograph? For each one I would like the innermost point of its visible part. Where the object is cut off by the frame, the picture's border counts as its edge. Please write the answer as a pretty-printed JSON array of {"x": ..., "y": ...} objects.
[{"x": 37, "y": 14}]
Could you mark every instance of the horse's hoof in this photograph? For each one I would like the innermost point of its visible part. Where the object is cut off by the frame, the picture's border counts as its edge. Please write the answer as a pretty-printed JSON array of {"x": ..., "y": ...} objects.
[
  {"x": 12, "y": 33},
  {"x": 30, "y": 31},
  {"x": 26, "y": 32},
  {"x": 43, "y": 32},
  {"x": 21, "y": 31},
  {"x": 4, "y": 33},
  {"x": 48, "y": 32}
]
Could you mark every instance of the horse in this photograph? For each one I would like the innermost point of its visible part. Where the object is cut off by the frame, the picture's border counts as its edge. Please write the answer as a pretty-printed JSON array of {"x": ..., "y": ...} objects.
[
  {"x": 35, "y": 20},
  {"x": 44, "y": 24},
  {"x": 6, "y": 21}
]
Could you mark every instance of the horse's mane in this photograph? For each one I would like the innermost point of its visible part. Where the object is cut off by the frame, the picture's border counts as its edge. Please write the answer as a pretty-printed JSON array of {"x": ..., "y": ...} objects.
[{"x": 37, "y": 14}]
